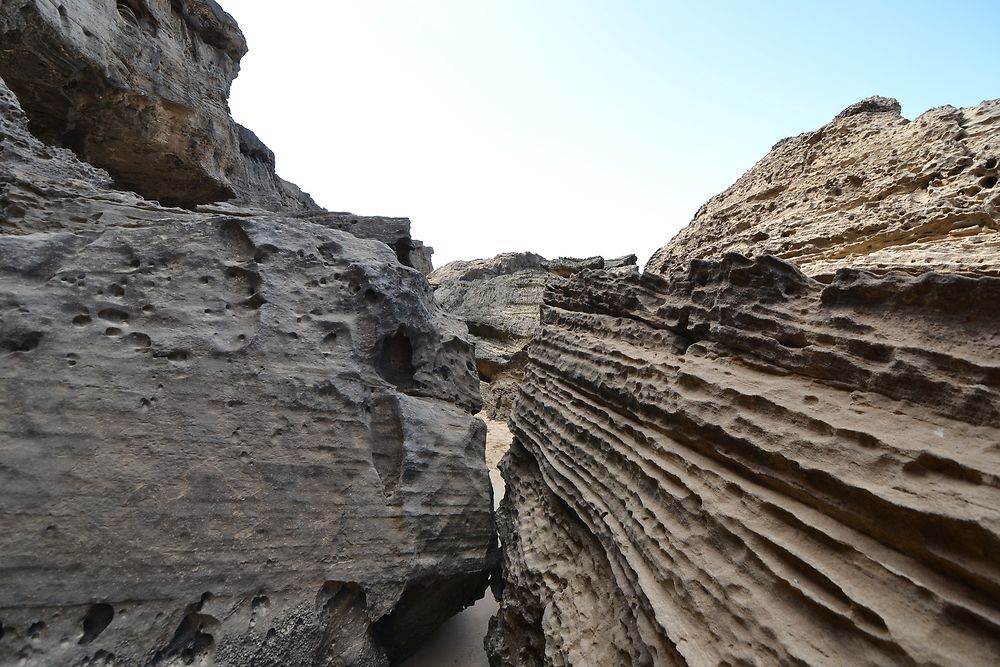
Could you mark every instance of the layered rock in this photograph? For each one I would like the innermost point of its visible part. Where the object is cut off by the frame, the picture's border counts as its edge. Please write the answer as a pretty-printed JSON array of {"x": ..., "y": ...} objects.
[
  {"x": 870, "y": 189},
  {"x": 499, "y": 299},
  {"x": 737, "y": 463},
  {"x": 240, "y": 438},
  {"x": 745, "y": 466}
]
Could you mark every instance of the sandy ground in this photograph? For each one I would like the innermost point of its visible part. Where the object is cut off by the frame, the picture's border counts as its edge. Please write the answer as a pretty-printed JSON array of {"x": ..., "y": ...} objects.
[{"x": 459, "y": 642}]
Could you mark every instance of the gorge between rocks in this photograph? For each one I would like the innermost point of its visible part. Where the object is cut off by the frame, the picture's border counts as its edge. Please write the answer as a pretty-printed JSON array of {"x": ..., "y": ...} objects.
[{"x": 239, "y": 429}]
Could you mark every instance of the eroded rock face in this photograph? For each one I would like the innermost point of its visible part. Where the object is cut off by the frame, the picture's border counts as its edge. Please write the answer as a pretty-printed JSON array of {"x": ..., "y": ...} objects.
[
  {"x": 242, "y": 438},
  {"x": 870, "y": 190},
  {"x": 737, "y": 463},
  {"x": 152, "y": 75},
  {"x": 742, "y": 465},
  {"x": 498, "y": 299}
]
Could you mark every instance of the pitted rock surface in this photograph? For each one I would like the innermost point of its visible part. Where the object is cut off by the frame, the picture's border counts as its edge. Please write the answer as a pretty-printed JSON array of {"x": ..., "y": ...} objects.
[
  {"x": 231, "y": 437},
  {"x": 869, "y": 190},
  {"x": 498, "y": 299},
  {"x": 742, "y": 465}
]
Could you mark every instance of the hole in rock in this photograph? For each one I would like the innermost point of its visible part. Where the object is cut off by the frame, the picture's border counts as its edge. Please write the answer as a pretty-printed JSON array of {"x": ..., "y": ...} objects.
[
  {"x": 35, "y": 629},
  {"x": 192, "y": 641},
  {"x": 394, "y": 361},
  {"x": 988, "y": 182},
  {"x": 23, "y": 343},
  {"x": 97, "y": 619},
  {"x": 139, "y": 340},
  {"x": 113, "y": 315},
  {"x": 794, "y": 340}
]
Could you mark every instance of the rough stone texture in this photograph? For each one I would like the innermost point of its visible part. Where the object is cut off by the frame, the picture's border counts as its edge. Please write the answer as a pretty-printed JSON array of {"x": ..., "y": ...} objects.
[
  {"x": 869, "y": 190},
  {"x": 151, "y": 75},
  {"x": 140, "y": 89},
  {"x": 498, "y": 299},
  {"x": 746, "y": 466},
  {"x": 394, "y": 232},
  {"x": 241, "y": 438}
]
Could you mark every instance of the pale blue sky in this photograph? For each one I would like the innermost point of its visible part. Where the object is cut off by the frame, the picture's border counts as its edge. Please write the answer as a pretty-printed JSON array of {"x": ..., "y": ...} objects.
[{"x": 576, "y": 127}]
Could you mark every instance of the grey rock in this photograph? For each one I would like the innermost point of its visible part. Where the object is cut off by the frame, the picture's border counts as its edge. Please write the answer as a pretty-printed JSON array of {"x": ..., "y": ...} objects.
[
  {"x": 236, "y": 437},
  {"x": 137, "y": 87},
  {"x": 499, "y": 299}
]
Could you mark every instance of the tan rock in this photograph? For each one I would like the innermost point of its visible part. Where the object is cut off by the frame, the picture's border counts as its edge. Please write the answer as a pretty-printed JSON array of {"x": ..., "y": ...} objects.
[
  {"x": 745, "y": 466},
  {"x": 869, "y": 190}
]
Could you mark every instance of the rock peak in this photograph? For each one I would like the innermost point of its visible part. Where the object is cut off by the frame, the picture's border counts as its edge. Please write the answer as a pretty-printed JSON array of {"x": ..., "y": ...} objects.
[{"x": 873, "y": 104}]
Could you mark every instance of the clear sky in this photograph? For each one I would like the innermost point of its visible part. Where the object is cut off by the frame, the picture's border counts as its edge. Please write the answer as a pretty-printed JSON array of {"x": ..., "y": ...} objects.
[{"x": 576, "y": 127}]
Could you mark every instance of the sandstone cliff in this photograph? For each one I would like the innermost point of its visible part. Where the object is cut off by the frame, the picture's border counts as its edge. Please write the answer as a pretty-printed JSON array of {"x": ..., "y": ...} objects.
[
  {"x": 870, "y": 189},
  {"x": 226, "y": 435},
  {"x": 736, "y": 463},
  {"x": 498, "y": 299}
]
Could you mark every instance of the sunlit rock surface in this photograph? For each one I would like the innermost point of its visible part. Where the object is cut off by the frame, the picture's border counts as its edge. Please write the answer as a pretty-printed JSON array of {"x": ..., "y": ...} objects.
[
  {"x": 737, "y": 463},
  {"x": 870, "y": 190}
]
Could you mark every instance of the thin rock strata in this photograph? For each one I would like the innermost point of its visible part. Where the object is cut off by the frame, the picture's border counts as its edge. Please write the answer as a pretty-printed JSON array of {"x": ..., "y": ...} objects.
[
  {"x": 227, "y": 435},
  {"x": 733, "y": 460},
  {"x": 742, "y": 465},
  {"x": 498, "y": 299}
]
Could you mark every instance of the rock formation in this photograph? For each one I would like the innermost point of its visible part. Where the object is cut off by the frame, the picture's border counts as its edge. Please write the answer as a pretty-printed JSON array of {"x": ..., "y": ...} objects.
[
  {"x": 736, "y": 463},
  {"x": 869, "y": 190},
  {"x": 498, "y": 299},
  {"x": 227, "y": 435}
]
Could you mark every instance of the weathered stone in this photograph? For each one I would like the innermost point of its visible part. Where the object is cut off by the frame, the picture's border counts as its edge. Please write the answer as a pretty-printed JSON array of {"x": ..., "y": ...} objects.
[
  {"x": 394, "y": 232},
  {"x": 152, "y": 76},
  {"x": 745, "y": 466},
  {"x": 870, "y": 189},
  {"x": 498, "y": 299},
  {"x": 241, "y": 438},
  {"x": 736, "y": 463}
]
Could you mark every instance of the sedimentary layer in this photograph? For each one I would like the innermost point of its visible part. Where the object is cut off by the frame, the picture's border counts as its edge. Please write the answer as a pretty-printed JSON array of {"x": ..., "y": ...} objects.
[
  {"x": 870, "y": 190},
  {"x": 742, "y": 465},
  {"x": 498, "y": 299}
]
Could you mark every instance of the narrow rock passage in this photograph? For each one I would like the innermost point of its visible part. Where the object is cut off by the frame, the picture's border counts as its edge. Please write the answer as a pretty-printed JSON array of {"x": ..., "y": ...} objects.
[{"x": 459, "y": 642}]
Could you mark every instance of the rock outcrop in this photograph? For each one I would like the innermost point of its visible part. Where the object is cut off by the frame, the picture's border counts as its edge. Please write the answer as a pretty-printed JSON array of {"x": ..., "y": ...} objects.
[
  {"x": 498, "y": 299},
  {"x": 869, "y": 190},
  {"x": 226, "y": 435},
  {"x": 737, "y": 463}
]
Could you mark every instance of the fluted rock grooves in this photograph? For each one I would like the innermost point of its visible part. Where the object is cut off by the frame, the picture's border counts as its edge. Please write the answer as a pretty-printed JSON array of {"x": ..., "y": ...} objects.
[{"x": 741, "y": 465}]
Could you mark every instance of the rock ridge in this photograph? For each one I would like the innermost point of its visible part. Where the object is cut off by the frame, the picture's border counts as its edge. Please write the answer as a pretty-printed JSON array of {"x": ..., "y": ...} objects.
[
  {"x": 740, "y": 464},
  {"x": 870, "y": 190}
]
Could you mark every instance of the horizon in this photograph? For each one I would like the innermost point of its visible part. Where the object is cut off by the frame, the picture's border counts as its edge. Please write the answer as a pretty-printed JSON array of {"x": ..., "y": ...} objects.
[{"x": 542, "y": 128}]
